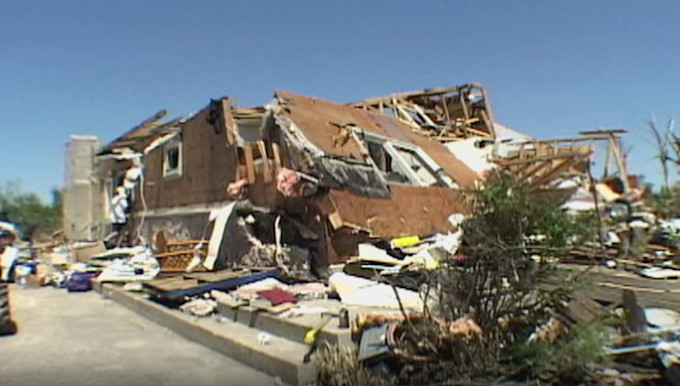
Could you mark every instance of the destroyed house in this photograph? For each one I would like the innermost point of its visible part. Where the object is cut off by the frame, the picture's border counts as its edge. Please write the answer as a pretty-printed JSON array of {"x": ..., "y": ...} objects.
[
  {"x": 303, "y": 172},
  {"x": 461, "y": 119}
]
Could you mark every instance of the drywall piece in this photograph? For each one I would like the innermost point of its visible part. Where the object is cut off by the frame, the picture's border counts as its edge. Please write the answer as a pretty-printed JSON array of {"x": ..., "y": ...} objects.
[
  {"x": 357, "y": 291},
  {"x": 220, "y": 216}
]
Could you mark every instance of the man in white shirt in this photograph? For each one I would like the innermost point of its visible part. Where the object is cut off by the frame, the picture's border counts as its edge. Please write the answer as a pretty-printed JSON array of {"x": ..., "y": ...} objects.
[
  {"x": 119, "y": 207},
  {"x": 8, "y": 256}
]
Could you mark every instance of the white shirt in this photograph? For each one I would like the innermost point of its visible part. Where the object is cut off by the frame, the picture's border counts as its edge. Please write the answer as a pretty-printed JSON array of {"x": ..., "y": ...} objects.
[
  {"x": 7, "y": 258},
  {"x": 118, "y": 206}
]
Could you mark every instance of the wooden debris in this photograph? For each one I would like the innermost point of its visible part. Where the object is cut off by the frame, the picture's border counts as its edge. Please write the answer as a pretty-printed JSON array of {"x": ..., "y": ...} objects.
[{"x": 192, "y": 284}]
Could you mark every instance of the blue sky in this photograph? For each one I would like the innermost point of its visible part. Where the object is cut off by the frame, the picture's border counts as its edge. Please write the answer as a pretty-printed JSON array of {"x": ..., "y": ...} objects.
[{"x": 552, "y": 68}]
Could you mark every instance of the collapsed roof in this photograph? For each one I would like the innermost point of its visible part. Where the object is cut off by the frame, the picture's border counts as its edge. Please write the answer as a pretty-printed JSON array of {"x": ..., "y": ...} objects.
[
  {"x": 143, "y": 137},
  {"x": 443, "y": 113},
  {"x": 333, "y": 131}
]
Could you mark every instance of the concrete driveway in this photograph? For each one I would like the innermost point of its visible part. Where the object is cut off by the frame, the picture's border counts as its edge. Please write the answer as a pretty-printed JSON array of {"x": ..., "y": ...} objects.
[{"x": 84, "y": 339}]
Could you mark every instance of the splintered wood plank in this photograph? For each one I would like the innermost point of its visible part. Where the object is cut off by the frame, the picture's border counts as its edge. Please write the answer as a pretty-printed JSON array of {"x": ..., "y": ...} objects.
[
  {"x": 538, "y": 166},
  {"x": 557, "y": 169},
  {"x": 519, "y": 169},
  {"x": 250, "y": 164},
  {"x": 489, "y": 123},
  {"x": 481, "y": 133},
  {"x": 266, "y": 169},
  {"x": 212, "y": 277}
]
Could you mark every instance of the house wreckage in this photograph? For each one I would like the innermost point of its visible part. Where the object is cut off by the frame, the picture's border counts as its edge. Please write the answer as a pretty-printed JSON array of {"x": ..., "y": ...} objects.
[
  {"x": 307, "y": 180},
  {"x": 330, "y": 198}
]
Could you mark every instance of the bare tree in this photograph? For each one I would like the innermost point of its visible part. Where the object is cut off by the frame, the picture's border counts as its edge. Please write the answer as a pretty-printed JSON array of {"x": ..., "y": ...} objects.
[{"x": 664, "y": 142}]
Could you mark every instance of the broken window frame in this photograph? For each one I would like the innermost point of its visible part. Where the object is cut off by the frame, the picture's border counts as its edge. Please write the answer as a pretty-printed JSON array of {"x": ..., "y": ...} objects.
[
  {"x": 393, "y": 148},
  {"x": 175, "y": 172}
]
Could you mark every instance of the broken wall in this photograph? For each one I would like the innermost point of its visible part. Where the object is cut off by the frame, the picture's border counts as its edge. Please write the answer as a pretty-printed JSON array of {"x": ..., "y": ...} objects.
[{"x": 207, "y": 164}]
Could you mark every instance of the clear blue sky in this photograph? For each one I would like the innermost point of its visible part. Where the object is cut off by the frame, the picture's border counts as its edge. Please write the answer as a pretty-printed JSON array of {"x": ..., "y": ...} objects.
[{"x": 101, "y": 67}]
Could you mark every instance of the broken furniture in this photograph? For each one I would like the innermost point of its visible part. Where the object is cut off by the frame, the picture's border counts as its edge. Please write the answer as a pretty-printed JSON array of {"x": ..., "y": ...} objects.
[{"x": 180, "y": 256}]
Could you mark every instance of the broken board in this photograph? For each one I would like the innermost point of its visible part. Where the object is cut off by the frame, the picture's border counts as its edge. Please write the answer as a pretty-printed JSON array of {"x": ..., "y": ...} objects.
[{"x": 191, "y": 284}]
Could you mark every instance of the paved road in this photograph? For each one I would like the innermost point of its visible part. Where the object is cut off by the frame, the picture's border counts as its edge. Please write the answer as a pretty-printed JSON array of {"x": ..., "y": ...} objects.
[{"x": 84, "y": 339}]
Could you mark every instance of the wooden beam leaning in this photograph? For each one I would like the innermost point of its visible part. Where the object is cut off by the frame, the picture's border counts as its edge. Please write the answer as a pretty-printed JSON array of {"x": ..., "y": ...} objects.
[
  {"x": 615, "y": 147},
  {"x": 266, "y": 167},
  {"x": 227, "y": 120},
  {"x": 562, "y": 166},
  {"x": 487, "y": 113},
  {"x": 276, "y": 149},
  {"x": 519, "y": 169},
  {"x": 538, "y": 166},
  {"x": 462, "y": 98},
  {"x": 250, "y": 164},
  {"x": 489, "y": 124}
]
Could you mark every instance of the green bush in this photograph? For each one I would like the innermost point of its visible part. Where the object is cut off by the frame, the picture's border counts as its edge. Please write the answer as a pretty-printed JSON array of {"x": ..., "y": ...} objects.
[
  {"x": 29, "y": 211},
  {"x": 565, "y": 361}
]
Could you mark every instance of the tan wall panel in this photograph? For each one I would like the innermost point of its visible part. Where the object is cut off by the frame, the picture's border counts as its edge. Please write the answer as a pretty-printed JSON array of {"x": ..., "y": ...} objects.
[{"x": 207, "y": 167}]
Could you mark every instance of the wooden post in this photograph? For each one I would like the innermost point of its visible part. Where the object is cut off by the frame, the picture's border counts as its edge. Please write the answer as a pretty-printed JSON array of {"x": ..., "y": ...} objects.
[
  {"x": 615, "y": 146},
  {"x": 266, "y": 169},
  {"x": 276, "y": 149},
  {"x": 228, "y": 121},
  {"x": 250, "y": 165}
]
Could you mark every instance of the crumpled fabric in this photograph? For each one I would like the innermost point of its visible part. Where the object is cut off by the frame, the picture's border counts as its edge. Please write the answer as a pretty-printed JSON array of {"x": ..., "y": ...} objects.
[{"x": 250, "y": 291}]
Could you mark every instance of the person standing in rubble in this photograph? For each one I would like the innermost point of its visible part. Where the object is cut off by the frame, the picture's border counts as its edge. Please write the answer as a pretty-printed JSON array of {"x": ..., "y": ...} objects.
[
  {"x": 8, "y": 256},
  {"x": 119, "y": 210}
]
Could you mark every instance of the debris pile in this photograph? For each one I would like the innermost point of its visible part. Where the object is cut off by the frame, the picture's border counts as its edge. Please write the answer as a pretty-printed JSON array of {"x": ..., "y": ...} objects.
[{"x": 450, "y": 247}]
